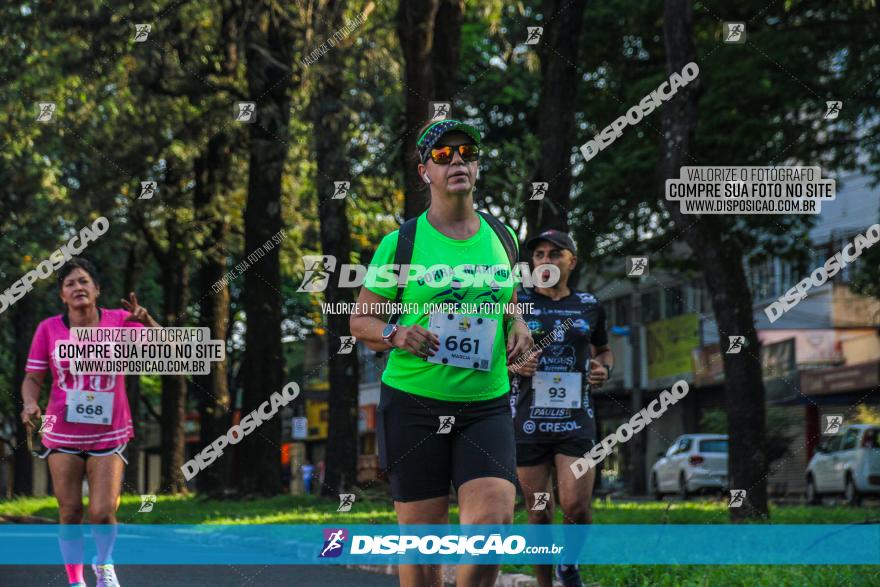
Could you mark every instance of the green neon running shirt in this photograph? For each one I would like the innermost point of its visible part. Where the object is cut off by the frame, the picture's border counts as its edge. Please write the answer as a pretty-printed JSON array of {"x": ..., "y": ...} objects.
[{"x": 412, "y": 374}]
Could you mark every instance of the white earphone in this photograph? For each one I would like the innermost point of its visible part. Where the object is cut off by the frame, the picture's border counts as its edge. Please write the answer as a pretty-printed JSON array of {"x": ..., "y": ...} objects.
[{"x": 428, "y": 179}]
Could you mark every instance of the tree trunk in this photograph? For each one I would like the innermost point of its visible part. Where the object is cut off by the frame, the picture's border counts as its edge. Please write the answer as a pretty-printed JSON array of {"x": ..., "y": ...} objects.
[
  {"x": 329, "y": 113},
  {"x": 24, "y": 324},
  {"x": 130, "y": 280},
  {"x": 175, "y": 286},
  {"x": 558, "y": 49},
  {"x": 268, "y": 56},
  {"x": 446, "y": 48},
  {"x": 212, "y": 390},
  {"x": 415, "y": 29},
  {"x": 722, "y": 266},
  {"x": 175, "y": 297}
]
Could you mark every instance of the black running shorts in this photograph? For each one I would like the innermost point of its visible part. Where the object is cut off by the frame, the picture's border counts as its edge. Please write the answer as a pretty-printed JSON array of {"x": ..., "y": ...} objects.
[
  {"x": 121, "y": 450},
  {"x": 423, "y": 451},
  {"x": 535, "y": 453}
]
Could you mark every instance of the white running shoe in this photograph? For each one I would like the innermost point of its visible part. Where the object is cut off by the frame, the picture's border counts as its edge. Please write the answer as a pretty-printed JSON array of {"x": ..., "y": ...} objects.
[{"x": 106, "y": 575}]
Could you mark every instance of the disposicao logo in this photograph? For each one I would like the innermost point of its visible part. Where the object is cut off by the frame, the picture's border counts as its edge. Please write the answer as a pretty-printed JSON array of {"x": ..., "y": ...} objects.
[{"x": 334, "y": 540}]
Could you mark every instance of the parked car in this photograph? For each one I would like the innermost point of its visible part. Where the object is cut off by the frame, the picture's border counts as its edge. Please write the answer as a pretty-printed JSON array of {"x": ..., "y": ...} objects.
[
  {"x": 847, "y": 463},
  {"x": 694, "y": 462}
]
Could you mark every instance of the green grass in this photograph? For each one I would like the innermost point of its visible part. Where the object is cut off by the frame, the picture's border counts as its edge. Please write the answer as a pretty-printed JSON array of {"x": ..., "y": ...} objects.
[
  {"x": 288, "y": 509},
  {"x": 731, "y": 575}
]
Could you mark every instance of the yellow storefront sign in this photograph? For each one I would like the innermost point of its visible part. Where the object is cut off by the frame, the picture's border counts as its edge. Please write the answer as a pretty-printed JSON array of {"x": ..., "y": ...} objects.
[
  {"x": 669, "y": 345},
  {"x": 318, "y": 414}
]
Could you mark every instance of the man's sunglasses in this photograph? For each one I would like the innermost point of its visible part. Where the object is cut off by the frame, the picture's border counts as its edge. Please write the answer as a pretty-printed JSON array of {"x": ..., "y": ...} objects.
[{"x": 443, "y": 155}]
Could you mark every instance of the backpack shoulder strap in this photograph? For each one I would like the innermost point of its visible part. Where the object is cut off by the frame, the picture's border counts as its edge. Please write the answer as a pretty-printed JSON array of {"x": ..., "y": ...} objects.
[
  {"x": 503, "y": 235},
  {"x": 406, "y": 238}
]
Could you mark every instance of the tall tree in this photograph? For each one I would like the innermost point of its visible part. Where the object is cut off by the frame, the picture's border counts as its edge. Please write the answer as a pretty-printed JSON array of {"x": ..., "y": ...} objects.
[
  {"x": 430, "y": 38},
  {"x": 723, "y": 270},
  {"x": 415, "y": 29},
  {"x": 24, "y": 323},
  {"x": 212, "y": 175},
  {"x": 213, "y": 183},
  {"x": 131, "y": 276},
  {"x": 173, "y": 257},
  {"x": 329, "y": 112},
  {"x": 206, "y": 81},
  {"x": 559, "y": 82},
  {"x": 445, "y": 49},
  {"x": 269, "y": 47}
]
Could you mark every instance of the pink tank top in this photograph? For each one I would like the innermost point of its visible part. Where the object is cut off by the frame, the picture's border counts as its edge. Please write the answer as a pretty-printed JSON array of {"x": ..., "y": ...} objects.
[{"x": 72, "y": 434}]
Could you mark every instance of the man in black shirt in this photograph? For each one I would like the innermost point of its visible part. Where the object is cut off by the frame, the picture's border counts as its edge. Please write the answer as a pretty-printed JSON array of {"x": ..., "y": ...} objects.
[{"x": 550, "y": 394}]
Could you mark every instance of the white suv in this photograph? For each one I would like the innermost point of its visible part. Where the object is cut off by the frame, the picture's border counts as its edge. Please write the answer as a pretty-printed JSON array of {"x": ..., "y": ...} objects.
[
  {"x": 694, "y": 462},
  {"x": 847, "y": 463}
]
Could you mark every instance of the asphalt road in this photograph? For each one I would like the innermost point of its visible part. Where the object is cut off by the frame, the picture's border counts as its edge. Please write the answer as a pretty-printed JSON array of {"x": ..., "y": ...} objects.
[{"x": 209, "y": 576}]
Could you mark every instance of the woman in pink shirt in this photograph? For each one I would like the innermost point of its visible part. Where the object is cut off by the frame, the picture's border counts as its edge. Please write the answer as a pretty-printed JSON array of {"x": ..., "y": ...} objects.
[{"x": 77, "y": 446}]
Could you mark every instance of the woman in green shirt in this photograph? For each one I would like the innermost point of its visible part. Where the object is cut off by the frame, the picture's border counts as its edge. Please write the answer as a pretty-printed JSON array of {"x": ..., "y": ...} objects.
[{"x": 444, "y": 414}]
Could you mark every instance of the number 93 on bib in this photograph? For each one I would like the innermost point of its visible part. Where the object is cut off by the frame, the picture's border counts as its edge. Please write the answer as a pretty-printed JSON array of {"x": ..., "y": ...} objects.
[
  {"x": 465, "y": 341},
  {"x": 557, "y": 390},
  {"x": 90, "y": 407}
]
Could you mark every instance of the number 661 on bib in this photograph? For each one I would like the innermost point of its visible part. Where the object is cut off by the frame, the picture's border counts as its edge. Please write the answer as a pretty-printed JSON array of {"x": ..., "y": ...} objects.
[{"x": 465, "y": 341}]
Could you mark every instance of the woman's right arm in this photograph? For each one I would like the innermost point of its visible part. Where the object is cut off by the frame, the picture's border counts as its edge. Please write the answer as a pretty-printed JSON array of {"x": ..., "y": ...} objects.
[
  {"x": 30, "y": 396},
  {"x": 367, "y": 327}
]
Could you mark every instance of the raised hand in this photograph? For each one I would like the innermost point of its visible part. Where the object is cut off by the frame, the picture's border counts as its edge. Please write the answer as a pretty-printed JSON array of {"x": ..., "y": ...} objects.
[{"x": 137, "y": 313}]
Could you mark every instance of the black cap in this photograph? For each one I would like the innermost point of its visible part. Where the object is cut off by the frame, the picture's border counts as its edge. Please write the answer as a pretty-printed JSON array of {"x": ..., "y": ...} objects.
[{"x": 557, "y": 237}]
